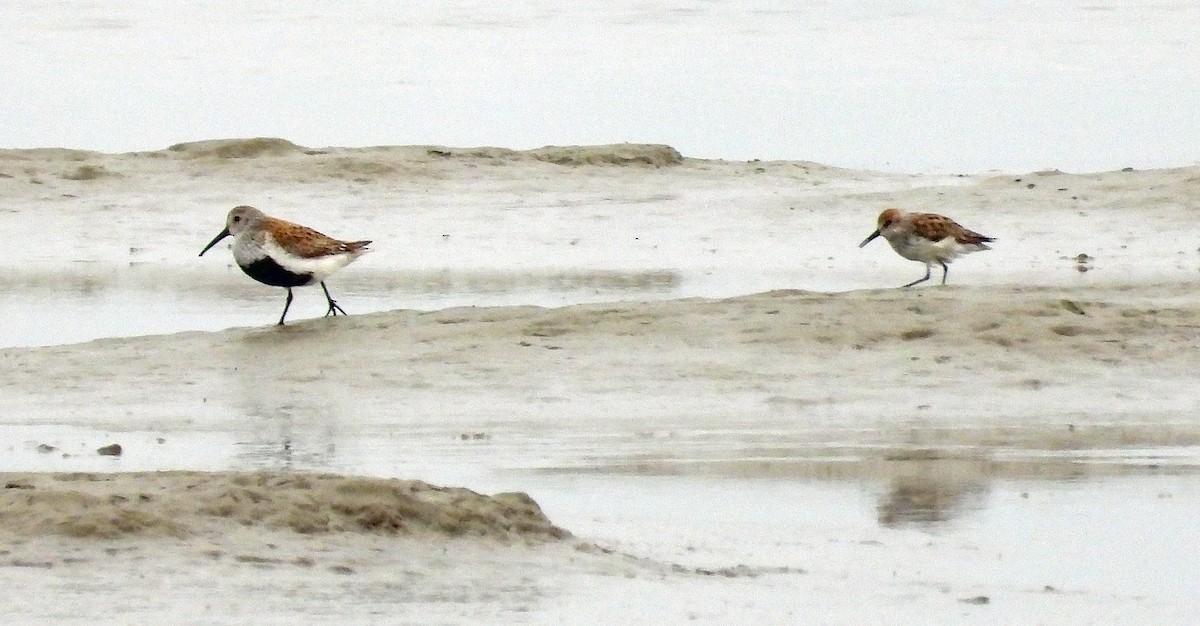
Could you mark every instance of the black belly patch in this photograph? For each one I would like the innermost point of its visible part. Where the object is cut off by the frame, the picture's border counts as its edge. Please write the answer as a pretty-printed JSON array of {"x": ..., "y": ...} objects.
[{"x": 268, "y": 272}]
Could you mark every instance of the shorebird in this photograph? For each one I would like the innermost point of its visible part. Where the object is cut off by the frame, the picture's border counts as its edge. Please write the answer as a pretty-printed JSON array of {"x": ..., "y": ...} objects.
[
  {"x": 282, "y": 254},
  {"x": 927, "y": 237}
]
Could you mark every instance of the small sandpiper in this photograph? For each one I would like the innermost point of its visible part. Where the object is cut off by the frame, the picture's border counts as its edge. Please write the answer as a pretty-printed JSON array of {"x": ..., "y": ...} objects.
[
  {"x": 282, "y": 254},
  {"x": 927, "y": 237}
]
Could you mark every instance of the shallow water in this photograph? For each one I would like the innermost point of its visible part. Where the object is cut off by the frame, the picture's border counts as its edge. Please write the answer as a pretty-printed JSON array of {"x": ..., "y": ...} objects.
[
  {"x": 813, "y": 526},
  {"x": 133, "y": 302},
  {"x": 1034, "y": 538},
  {"x": 939, "y": 85},
  {"x": 125, "y": 305},
  {"x": 1120, "y": 537}
]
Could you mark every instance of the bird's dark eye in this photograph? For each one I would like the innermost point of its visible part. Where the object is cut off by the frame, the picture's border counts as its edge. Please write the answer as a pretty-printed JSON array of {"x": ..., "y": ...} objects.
[{"x": 237, "y": 218}]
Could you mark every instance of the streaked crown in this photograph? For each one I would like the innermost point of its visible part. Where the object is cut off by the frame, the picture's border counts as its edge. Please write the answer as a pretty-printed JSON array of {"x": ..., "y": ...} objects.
[{"x": 888, "y": 216}]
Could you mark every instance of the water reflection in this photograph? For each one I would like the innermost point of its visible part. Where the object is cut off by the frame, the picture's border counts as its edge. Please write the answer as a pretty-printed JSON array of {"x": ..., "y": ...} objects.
[
  {"x": 283, "y": 447},
  {"x": 927, "y": 487},
  {"x": 913, "y": 487},
  {"x": 927, "y": 501},
  {"x": 292, "y": 411}
]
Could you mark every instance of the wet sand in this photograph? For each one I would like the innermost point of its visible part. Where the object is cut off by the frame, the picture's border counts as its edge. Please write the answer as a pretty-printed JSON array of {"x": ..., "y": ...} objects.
[{"x": 762, "y": 431}]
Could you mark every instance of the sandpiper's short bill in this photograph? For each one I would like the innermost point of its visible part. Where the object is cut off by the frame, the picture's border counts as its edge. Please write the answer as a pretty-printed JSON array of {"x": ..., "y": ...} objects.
[
  {"x": 282, "y": 254},
  {"x": 927, "y": 237}
]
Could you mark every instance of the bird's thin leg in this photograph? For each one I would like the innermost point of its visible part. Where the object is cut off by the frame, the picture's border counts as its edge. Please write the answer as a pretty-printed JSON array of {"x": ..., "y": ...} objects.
[
  {"x": 919, "y": 280},
  {"x": 945, "y": 271},
  {"x": 334, "y": 309},
  {"x": 285, "y": 306}
]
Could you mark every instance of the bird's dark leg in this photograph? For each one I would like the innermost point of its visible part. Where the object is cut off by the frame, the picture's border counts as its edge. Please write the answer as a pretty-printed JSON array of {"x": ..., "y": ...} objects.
[
  {"x": 334, "y": 309},
  {"x": 919, "y": 280},
  {"x": 285, "y": 306},
  {"x": 945, "y": 271}
]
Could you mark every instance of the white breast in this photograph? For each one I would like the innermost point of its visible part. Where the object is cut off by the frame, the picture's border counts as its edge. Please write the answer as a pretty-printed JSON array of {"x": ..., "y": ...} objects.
[
  {"x": 916, "y": 248},
  {"x": 246, "y": 250}
]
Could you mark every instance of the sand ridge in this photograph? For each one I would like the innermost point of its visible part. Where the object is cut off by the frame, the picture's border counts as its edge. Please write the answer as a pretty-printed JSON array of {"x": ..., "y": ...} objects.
[
  {"x": 280, "y": 159},
  {"x": 1032, "y": 358},
  {"x": 179, "y": 504}
]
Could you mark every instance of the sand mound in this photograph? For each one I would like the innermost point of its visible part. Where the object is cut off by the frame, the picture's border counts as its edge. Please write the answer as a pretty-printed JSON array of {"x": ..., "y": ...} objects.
[
  {"x": 656, "y": 155},
  {"x": 611, "y": 154},
  {"x": 182, "y": 503},
  {"x": 239, "y": 148},
  {"x": 283, "y": 162},
  {"x": 57, "y": 155}
]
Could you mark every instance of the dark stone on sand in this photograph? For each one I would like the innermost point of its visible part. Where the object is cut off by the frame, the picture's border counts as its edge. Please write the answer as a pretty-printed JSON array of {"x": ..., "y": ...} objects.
[{"x": 112, "y": 449}]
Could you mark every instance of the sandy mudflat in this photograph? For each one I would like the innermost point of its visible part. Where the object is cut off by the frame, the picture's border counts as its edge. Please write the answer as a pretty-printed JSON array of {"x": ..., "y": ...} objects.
[{"x": 655, "y": 389}]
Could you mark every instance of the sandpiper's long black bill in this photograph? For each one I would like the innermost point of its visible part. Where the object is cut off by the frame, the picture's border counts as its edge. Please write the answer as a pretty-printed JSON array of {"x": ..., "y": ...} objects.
[
  {"x": 221, "y": 235},
  {"x": 865, "y": 241}
]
